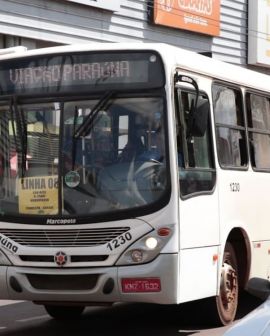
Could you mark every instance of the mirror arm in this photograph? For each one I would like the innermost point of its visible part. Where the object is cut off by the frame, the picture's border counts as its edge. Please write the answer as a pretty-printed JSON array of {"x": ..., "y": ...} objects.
[{"x": 189, "y": 80}]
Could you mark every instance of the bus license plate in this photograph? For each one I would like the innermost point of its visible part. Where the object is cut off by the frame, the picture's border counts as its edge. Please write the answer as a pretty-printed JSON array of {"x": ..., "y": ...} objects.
[{"x": 140, "y": 285}]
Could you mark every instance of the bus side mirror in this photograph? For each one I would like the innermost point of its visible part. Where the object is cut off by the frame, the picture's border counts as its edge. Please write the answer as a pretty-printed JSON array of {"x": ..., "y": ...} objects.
[
  {"x": 198, "y": 120},
  {"x": 259, "y": 288}
]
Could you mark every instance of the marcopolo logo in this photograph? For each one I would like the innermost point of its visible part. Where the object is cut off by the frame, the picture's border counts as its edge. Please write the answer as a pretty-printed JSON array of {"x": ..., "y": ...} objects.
[
  {"x": 8, "y": 244},
  {"x": 60, "y": 258},
  {"x": 61, "y": 221}
]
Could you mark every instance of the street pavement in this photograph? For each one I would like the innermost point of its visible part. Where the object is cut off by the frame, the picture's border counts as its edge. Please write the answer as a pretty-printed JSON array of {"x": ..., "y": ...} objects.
[{"x": 19, "y": 318}]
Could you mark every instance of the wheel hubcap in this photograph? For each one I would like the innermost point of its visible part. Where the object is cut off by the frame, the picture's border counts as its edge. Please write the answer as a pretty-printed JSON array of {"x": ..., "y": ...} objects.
[{"x": 228, "y": 289}]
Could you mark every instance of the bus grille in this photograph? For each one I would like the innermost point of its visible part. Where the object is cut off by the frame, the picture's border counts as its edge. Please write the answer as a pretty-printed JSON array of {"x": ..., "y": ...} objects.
[
  {"x": 64, "y": 238},
  {"x": 63, "y": 282},
  {"x": 73, "y": 258}
]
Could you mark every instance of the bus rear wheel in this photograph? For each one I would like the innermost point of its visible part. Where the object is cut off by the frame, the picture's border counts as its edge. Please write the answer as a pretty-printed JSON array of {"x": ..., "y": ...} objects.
[
  {"x": 64, "y": 312},
  {"x": 227, "y": 300}
]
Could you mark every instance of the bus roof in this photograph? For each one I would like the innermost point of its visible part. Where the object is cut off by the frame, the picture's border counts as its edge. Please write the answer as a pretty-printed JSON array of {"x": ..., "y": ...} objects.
[{"x": 172, "y": 56}]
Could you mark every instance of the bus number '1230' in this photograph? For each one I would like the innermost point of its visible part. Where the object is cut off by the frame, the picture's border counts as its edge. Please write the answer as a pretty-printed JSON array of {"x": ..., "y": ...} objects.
[
  {"x": 121, "y": 240},
  {"x": 235, "y": 187}
]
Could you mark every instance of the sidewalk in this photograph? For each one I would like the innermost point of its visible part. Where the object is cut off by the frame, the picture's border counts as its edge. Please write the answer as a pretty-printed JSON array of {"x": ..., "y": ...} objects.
[{"x": 7, "y": 302}]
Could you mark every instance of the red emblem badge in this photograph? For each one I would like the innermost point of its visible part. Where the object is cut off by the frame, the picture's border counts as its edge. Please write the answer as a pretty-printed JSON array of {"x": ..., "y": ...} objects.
[{"x": 60, "y": 258}]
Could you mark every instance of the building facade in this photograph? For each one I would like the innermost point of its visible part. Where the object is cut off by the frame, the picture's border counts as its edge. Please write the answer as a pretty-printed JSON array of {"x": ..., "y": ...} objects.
[{"x": 42, "y": 23}]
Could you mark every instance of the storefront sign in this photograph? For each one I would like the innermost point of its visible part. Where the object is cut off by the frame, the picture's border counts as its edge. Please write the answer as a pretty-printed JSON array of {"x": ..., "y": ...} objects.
[
  {"x": 38, "y": 195},
  {"x": 202, "y": 16},
  {"x": 112, "y": 5},
  {"x": 259, "y": 32}
]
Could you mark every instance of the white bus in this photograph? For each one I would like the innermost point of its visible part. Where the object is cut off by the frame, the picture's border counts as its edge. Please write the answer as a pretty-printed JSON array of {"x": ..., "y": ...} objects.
[{"x": 131, "y": 173}]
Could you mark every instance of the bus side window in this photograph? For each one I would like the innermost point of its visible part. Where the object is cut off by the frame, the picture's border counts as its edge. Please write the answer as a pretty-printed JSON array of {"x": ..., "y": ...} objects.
[
  {"x": 195, "y": 153},
  {"x": 258, "y": 113},
  {"x": 230, "y": 127}
]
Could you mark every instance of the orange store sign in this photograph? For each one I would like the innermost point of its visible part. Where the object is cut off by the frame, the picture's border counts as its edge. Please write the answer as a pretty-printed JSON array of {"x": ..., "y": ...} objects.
[{"x": 201, "y": 16}]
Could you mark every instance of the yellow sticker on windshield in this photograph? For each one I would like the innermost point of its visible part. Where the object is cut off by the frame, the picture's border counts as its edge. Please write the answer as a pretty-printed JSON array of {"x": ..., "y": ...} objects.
[{"x": 38, "y": 195}]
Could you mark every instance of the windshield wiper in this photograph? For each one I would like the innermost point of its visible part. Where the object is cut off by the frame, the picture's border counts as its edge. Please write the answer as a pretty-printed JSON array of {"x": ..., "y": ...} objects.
[
  {"x": 74, "y": 142},
  {"x": 85, "y": 127},
  {"x": 22, "y": 132}
]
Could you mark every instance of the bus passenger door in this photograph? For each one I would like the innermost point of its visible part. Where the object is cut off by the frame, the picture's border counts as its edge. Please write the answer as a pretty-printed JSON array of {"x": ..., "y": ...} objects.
[{"x": 198, "y": 200}]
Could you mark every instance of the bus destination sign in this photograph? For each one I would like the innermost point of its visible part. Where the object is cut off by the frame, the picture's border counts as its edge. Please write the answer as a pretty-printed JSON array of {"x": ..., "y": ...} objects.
[
  {"x": 78, "y": 72},
  {"x": 70, "y": 73}
]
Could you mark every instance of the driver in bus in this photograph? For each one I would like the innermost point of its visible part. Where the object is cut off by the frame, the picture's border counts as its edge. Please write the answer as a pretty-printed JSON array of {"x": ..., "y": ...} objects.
[
  {"x": 155, "y": 153},
  {"x": 133, "y": 149}
]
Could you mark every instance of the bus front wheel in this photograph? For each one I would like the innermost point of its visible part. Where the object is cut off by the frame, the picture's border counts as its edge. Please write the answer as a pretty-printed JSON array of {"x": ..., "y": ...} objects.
[
  {"x": 227, "y": 300},
  {"x": 64, "y": 312}
]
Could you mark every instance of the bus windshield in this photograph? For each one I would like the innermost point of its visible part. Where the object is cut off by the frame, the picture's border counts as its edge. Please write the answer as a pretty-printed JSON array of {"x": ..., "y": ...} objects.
[
  {"x": 108, "y": 152},
  {"x": 82, "y": 134}
]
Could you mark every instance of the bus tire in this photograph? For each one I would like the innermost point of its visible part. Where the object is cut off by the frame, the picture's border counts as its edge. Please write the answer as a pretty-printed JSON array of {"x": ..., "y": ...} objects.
[
  {"x": 227, "y": 300},
  {"x": 64, "y": 312}
]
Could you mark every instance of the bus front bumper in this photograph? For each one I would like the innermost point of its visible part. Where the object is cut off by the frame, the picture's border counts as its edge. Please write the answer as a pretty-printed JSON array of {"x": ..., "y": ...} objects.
[{"x": 90, "y": 286}]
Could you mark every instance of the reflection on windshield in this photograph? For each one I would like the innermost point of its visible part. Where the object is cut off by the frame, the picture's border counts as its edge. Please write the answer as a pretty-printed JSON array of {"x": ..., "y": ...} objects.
[
  {"x": 120, "y": 163},
  {"x": 109, "y": 152},
  {"x": 29, "y": 151}
]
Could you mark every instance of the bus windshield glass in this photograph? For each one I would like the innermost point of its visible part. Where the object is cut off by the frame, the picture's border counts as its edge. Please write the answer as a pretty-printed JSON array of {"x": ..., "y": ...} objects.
[{"x": 83, "y": 155}]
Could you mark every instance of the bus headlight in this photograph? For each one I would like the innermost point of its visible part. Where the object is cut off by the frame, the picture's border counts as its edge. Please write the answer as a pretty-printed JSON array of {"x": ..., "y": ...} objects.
[
  {"x": 146, "y": 248},
  {"x": 4, "y": 261},
  {"x": 151, "y": 243},
  {"x": 137, "y": 256}
]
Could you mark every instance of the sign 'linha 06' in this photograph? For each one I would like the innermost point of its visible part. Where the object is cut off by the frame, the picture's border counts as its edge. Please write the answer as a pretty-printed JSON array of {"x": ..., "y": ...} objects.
[
  {"x": 38, "y": 195},
  {"x": 202, "y": 16}
]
